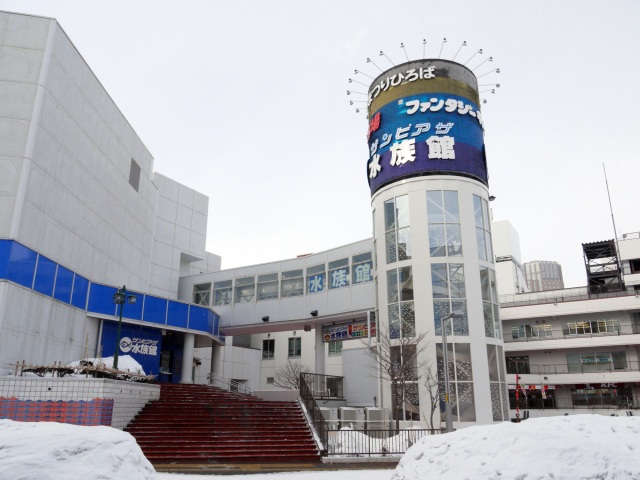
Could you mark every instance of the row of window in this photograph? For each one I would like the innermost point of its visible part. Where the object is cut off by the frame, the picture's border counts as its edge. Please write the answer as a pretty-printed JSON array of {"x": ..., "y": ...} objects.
[
  {"x": 294, "y": 348},
  {"x": 576, "y": 363},
  {"x": 601, "y": 326},
  {"x": 443, "y": 215},
  {"x": 449, "y": 295},
  {"x": 319, "y": 278}
]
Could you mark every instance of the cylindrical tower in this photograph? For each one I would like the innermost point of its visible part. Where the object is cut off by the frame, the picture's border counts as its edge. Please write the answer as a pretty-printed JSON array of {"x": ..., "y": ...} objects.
[{"x": 428, "y": 177}]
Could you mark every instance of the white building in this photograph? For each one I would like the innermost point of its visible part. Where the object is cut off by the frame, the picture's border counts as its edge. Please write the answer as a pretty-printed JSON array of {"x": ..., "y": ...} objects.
[
  {"x": 543, "y": 275},
  {"x": 82, "y": 213},
  {"x": 576, "y": 350}
]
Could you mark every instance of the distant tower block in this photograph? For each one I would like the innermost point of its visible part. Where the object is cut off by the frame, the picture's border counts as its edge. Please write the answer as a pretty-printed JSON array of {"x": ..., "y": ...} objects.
[
  {"x": 543, "y": 275},
  {"x": 427, "y": 172}
]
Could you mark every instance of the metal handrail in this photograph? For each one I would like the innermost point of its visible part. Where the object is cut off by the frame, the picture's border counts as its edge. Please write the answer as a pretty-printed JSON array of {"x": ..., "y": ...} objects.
[
  {"x": 227, "y": 384},
  {"x": 317, "y": 419}
]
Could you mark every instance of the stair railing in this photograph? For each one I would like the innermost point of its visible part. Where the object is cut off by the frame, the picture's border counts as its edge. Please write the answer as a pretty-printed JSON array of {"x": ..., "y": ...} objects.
[
  {"x": 228, "y": 384},
  {"x": 315, "y": 415}
]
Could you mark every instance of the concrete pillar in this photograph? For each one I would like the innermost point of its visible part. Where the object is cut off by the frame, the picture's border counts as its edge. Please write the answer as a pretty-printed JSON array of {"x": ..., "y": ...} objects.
[
  {"x": 320, "y": 369},
  {"x": 187, "y": 357}
]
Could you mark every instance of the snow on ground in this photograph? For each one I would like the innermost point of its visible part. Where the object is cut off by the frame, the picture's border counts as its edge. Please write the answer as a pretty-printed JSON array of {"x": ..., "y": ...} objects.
[
  {"x": 324, "y": 475},
  {"x": 559, "y": 448},
  {"x": 567, "y": 448},
  {"x": 56, "y": 451}
]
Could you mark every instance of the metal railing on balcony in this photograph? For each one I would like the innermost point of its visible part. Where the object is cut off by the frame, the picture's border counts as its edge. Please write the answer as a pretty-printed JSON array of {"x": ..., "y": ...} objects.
[
  {"x": 512, "y": 336},
  {"x": 558, "y": 296},
  {"x": 522, "y": 367},
  {"x": 228, "y": 384}
]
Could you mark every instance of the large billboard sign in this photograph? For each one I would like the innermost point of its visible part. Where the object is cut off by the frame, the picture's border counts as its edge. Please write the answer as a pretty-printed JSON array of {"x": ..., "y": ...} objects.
[
  {"x": 144, "y": 344},
  {"x": 348, "y": 331},
  {"x": 425, "y": 120}
]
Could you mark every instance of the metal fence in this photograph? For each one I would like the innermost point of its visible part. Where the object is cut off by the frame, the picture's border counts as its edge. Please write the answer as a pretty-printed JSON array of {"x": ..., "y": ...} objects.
[
  {"x": 523, "y": 367},
  {"x": 216, "y": 380},
  {"x": 375, "y": 443}
]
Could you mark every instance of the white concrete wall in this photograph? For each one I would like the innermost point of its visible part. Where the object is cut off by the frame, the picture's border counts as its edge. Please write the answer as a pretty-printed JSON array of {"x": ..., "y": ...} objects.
[
  {"x": 39, "y": 330},
  {"x": 179, "y": 235},
  {"x": 129, "y": 397}
]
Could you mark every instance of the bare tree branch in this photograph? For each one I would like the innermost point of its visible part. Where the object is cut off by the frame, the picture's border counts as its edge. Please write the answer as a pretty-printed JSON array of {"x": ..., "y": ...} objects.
[{"x": 288, "y": 377}]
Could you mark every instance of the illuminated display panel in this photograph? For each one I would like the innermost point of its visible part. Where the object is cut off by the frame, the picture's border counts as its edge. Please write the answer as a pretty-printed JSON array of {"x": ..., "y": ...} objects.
[{"x": 429, "y": 123}]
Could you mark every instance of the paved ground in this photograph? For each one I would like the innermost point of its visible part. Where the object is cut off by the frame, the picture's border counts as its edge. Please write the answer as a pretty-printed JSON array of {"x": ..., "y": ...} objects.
[{"x": 244, "y": 468}]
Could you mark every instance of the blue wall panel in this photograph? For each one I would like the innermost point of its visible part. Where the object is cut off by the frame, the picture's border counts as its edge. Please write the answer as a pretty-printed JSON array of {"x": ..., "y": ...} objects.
[
  {"x": 80, "y": 290},
  {"x": 198, "y": 318},
  {"x": 134, "y": 310},
  {"x": 22, "y": 264},
  {"x": 64, "y": 280},
  {"x": 101, "y": 299},
  {"x": 5, "y": 251},
  {"x": 45, "y": 276},
  {"x": 177, "y": 314},
  {"x": 155, "y": 309}
]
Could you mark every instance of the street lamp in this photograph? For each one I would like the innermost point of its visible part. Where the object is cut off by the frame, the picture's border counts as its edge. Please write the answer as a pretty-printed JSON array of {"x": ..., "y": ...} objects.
[
  {"x": 445, "y": 357},
  {"x": 120, "y": 298}
]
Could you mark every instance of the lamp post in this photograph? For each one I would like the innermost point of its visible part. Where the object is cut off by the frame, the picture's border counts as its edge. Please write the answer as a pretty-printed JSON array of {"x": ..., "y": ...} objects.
[
  {"x": 445, "y": 357},
  {"x": 120, "y": 298}
]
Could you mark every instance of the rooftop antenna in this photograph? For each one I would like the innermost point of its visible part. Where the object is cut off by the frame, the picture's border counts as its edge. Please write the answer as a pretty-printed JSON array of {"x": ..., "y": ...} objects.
[
  {"x": 478, "y": 52},
  {"x": 382, "y": 54},
  {"x": 613, "y": 221},
  {"x": 424, "y": 46},
  {"x": 371, "y": 61},
  {"x": 405, "y": 51},
  {"x": 464, "y": 44},
  {"x": 444, "y": 40}
]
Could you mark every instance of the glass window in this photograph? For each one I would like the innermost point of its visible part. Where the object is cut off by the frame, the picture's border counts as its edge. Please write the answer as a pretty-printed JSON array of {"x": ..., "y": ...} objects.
[
  {"x": 202, "y": 294},
  {"x": 295, "y": 347},
  {"x": 245, "y": 289},
  {"x": 292, "y": 283},
  {"x": 400, "y": 301},
  {"x": 335, "y": 348},
  {"x": 316, "y": 279},
  {"x": 268, "y": 347},
  {"x": 339, "y": 273},
  {"x": 448, "y": 284},
  {"x": 443, "y": 215},
  {"x": 460, "y": 379},
  {"x": 267, "y": 286},
  {"x": 362, "y": 268},
  {"x": 397, "y": 230},
  {"x": 222, "y": 292},
  {"x": 483, "y": 228}
]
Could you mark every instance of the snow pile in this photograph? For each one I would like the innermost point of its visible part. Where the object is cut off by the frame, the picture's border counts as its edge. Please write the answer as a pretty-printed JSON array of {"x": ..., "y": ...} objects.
[
  {"x": 126, "y": 363},
  {"x": 567, "y": 448},
  {"x": 352, "y": 442},
  {"x": 54, "y": 451}
]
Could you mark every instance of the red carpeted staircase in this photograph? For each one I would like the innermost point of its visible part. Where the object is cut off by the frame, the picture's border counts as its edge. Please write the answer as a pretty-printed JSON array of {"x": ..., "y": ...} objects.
[{"x": 201, "y": 424}]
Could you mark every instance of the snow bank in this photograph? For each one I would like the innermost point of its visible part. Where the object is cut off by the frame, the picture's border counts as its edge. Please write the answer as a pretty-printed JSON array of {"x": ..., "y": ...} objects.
[
  {"x": 55, "y": 451},
  {"x": 567, "y": 448}
]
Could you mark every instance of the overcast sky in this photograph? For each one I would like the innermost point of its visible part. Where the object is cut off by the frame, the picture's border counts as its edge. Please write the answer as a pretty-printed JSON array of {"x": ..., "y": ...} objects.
[{"x": 246, "y": 102}]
